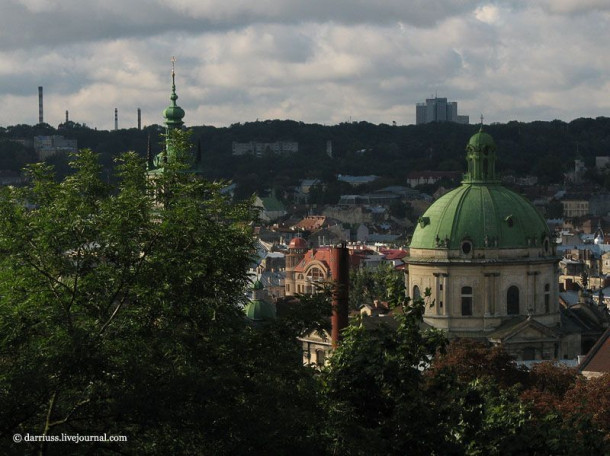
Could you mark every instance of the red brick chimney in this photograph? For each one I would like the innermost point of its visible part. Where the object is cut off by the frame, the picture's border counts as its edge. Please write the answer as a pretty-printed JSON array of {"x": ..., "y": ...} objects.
[{"x": 339, "y": 269}]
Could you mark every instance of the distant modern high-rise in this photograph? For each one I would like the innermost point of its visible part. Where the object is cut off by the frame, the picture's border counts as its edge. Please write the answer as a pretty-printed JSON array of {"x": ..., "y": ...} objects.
[{"x": 438, "y": 110}]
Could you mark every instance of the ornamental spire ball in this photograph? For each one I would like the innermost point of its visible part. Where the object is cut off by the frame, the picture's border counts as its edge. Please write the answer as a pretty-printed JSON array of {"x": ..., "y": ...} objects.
[{"x": 173, "y": 114}]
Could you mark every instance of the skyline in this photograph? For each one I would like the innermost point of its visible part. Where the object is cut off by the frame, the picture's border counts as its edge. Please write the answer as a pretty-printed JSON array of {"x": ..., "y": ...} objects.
[{"x": 315, "y": 62}]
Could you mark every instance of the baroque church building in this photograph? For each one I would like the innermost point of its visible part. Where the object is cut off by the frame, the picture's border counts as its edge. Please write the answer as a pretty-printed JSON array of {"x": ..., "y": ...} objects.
[{"x": 489, "y": 261}]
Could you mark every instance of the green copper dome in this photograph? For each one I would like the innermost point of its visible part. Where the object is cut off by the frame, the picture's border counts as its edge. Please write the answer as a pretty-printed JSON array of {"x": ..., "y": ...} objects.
[
  {"x": 481, "y": 213},
  {"x": 258, "y": 310},
  {"x": 481, "y": 139}
]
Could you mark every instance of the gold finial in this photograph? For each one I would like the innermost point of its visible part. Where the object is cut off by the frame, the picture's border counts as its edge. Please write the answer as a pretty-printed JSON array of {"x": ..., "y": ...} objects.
[{"x": 173, "y": 65}]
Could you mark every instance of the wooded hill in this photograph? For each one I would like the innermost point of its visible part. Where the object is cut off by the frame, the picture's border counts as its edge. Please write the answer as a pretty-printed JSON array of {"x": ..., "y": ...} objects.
[{"x": 543, "y": 149}]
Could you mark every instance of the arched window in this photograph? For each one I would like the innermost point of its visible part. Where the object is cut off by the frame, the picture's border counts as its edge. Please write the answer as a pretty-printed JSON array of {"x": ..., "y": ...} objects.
[
  {"x": 466, "y": 300},
  {"x": 547, "y": 298},
  {"x": 416, "y": 292},
  {"x": 315, "y": 274},
  {"x": 512, "y": 301}
]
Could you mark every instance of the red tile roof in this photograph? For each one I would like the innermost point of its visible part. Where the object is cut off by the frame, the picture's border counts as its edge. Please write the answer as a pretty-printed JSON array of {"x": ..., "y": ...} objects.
[
  {"x": 297, "y": 243},
  {"x": 393, "y": 254},
  {"x": 322, "y": 254},
  {"x": 311, "y": 223}
]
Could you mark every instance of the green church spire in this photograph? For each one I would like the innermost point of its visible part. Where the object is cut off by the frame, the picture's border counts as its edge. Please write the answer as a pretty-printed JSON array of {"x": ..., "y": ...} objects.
[
  {"x": 177, "y": 147},
  {"x": 173, "y": 114}
]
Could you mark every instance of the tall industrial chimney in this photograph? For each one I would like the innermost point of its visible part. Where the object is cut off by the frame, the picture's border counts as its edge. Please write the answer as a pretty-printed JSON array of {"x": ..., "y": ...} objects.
[
  {"x": 339, "y": 269},
  {"x": 116, "y": 119},
  {"x": 139, "y": 119},
  {"x": 66, "y": 116},
  {"x": 40, "y": 116}
]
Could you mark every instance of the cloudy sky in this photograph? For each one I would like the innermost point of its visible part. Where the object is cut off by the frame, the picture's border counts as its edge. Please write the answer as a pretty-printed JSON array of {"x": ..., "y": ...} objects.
[{"x": 323, "y": 61}]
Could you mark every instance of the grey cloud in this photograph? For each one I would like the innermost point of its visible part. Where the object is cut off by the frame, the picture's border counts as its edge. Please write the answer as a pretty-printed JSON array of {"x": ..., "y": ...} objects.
[
  {"x": 311, "y": 61},
  {"x": 72, "y": 21},
  {"x": 575, "y": 7}
]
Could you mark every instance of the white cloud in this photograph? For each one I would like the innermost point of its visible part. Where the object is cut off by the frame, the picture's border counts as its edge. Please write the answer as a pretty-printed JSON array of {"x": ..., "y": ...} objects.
[{"x": 490, "y": 14}]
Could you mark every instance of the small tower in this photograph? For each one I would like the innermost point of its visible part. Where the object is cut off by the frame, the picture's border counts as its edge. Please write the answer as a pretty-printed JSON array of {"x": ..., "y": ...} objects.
[
  {"x": 296, "y": 251},
  {"x": 173, "y": 115},
  {"x": 481, "y": 158}
]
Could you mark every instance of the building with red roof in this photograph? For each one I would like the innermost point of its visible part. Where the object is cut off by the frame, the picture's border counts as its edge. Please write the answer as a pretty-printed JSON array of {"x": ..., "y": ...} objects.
[
  {"x": 307, "y": 270},
  {"x": 597, "y": 361}
]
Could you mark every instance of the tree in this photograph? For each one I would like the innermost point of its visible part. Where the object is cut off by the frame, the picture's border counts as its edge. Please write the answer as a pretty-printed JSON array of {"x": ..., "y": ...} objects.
[
  {"x": 368, "y": 285},
  {"x": 469, "y": 360},
  {"x": 373, "y": 387},
  {"x": 121, "y": 313},
  {"x": 554, "y": 209},
  {"x": 401, "y": 209},
  {"x": 586, "y": 415}
]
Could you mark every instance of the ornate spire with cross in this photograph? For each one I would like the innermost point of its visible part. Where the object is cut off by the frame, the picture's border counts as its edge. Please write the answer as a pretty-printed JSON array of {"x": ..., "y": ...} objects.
[
  {"x": 173, "y": 113},
  {"x": 173, "y": 76}
]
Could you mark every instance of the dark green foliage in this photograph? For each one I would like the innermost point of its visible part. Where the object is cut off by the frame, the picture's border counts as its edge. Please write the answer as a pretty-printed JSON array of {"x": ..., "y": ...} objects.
[
  {"x": 121, "y": 314},
  {"x": 374, "y": 388},
  {"x": 368, "y": 285},
  {"x": 544, "y": 149}
]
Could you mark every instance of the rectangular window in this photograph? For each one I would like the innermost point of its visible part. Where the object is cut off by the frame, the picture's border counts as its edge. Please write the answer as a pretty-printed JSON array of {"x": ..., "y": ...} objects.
[
  {"x": 466, "y": 305},
  {"x": 466, "y": 301}
]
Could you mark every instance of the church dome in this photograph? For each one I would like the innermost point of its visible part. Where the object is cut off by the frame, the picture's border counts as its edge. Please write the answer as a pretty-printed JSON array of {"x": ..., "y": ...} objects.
[
  {"x": 486, "y": 216},
  {"x": 481, "y": 139},
  {"x": 481, "y": 213},
  {"x": 297, "y": 243},
  {"x": 258, "y": 310}
]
